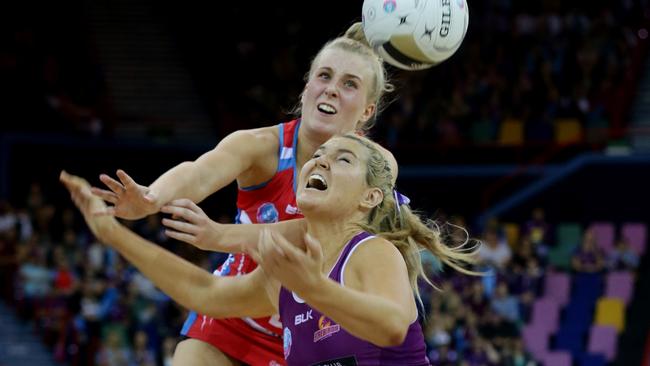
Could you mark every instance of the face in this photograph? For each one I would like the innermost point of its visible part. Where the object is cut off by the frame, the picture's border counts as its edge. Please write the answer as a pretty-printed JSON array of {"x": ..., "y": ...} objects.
[
  {"x": 333, "y": 182},
  {"x": 336, "y": 95}
]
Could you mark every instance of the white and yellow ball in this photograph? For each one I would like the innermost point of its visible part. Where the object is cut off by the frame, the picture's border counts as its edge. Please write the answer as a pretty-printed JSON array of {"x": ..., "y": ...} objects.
[{"x": 415, "y": 34}]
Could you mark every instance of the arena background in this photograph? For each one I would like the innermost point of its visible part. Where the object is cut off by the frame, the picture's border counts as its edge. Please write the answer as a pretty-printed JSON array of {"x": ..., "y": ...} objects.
[{"x": 545, "y": 106}]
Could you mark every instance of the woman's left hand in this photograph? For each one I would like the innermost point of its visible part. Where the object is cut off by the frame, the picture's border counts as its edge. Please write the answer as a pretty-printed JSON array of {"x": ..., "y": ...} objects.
[
  {"x": 298, "y": 269},
  {"x": 190, "y": 224}
]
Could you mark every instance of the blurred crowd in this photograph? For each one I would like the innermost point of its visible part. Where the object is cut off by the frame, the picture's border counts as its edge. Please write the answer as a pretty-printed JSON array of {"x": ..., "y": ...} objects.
[
  {"x": 85, "y": 302},
  {"x": 530, "y": 64},
  {"x": 478, "y": 321}
]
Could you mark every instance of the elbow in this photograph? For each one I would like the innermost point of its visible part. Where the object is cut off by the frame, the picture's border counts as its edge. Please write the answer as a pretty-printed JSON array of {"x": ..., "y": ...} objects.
[{"x": 394, "y": 336}]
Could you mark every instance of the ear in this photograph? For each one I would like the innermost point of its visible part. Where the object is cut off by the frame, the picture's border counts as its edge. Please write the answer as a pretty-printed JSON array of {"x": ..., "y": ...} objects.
[
  {"x": 368, "y": 112},
  {"x": 372, "y": 198}
]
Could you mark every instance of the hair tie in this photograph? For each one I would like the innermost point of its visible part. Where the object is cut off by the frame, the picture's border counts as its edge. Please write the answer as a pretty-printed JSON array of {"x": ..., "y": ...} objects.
[{"x": 400, "y": 199}]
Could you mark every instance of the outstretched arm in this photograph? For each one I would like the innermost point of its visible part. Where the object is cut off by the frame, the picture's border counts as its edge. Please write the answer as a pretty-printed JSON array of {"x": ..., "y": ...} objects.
[
  {"x": 190, "y": 224},
  {"x": 184, "y": 282},
  {"x": 194, "y": 180}
]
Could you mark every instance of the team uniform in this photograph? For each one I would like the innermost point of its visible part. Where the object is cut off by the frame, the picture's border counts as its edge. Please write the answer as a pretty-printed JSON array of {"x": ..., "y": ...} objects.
[
  {"x": 255, "y": 341},
  {"x": 310, "y": 338}
]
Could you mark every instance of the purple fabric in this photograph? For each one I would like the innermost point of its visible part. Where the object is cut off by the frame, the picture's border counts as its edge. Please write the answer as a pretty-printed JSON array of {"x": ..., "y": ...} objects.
[
  {"x": 602, "y": 339},
  {"x": 310, "y": 338}
]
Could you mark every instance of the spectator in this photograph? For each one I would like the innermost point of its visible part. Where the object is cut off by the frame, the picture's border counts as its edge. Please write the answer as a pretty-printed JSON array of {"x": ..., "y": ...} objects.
[
  {"x": 168, "y": 346},
  {"x": 114, "y": 352},
  {"x": 588, "y": 258},
  {"x": 481, "y": 353},
  {"x": 516, "y": 355},
  {"x": 35, "y": 282},
  {"x": 143, "y": 355},
  {"x": 505, "y": 304},
  {"x": 495, "y": 250},
  {"x": 623, "y": 257},
  {"x": 443, "y": 356},
  {"x": 537, "y": 229}
]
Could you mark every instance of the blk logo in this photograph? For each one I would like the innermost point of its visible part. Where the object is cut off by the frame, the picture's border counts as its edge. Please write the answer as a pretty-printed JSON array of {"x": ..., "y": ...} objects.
[{"x": 301, "y": 318}]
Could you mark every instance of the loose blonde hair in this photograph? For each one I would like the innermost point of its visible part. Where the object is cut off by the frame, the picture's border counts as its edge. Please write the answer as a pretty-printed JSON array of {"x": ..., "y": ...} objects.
[
  {"x": 354, "y": 41},
  {"x": 405, "y": 228}
]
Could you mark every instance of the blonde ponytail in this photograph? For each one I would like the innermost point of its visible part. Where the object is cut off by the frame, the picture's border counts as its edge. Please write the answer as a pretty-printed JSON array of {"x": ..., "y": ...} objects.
[
  {"x": 405, "y": 229},
  {"x": 355, "y": 32}
]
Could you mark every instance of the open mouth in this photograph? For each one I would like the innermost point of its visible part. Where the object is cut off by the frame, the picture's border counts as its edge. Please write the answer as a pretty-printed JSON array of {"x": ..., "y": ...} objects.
[
  {"x": 326, "y": 108},
  {"x": 316, "y": 181}
]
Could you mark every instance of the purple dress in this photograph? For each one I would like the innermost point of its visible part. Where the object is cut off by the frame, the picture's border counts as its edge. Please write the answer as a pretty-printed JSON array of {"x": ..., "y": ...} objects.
[{"x": 313, "y": 339}]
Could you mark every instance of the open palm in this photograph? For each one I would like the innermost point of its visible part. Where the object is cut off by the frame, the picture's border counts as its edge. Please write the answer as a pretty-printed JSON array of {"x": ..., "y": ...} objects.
[{"x": 130, "y": 200}]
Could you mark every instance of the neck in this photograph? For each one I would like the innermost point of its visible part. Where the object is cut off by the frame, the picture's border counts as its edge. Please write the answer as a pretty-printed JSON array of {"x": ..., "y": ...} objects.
[
  {"x": 333, "y": 234},
  {"x": 308, "y": 142}
]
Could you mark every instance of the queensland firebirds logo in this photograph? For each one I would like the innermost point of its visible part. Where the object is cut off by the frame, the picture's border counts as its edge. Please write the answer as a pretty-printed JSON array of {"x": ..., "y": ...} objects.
[{"x": 325, "y": 328}]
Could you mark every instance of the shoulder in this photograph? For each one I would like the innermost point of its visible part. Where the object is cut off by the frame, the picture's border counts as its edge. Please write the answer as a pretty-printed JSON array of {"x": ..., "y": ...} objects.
[
  {"x": 374, "y": 254},
  {"x": 256, "y": 144},
  {"x": 257, "y": 137},
  {"x": 377, "y": 246}
]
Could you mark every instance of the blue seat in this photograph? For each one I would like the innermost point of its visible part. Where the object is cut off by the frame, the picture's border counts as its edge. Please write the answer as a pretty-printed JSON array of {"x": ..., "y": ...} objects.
[
  {"x": 590, "y": 359},
  {"x": 588, "y": 286},
  {"x": 570, "y": 338},
  {"x": 579, "y": 314}
]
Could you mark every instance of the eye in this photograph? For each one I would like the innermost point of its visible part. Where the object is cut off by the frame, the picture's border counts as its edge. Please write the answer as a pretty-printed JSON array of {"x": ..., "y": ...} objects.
[
  {"x": 351, "y": 84},
  {"x": 345, "y": 159},
  {"x": 324, "y": 75}
]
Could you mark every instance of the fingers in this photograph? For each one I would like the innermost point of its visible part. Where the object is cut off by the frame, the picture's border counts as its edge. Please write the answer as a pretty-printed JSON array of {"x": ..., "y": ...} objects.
[
  {"x": 111, "y": 183},
  {"x": 75, "y": 186},
  {"x": 289, "y": 251},
  {"x": 73, "y": 183},
  {"x": 126, "y": 180},
  {"x": 108, "y": 211},
  {"x": 187, "y": 238},
  {"x": 186, "y": 203},
  {"x": 182, "y": 212},
  {"x": 104, "y": 194},
  {"x": 268, "y": 252},
  {"x": 255, "y": 254},
  {"x": 180, "y": 226}
]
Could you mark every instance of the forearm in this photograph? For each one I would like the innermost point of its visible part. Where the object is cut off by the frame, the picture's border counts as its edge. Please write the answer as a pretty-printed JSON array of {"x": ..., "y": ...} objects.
[
  {"x": 233, "y": 238},
  {"x": 182, "y": 181},
  {"x": 366, "y": 316},
  {"x": 189, "y": 285}
]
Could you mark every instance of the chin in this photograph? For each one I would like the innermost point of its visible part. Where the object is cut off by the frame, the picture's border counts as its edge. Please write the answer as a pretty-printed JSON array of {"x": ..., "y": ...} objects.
[
  {"x": 310, "y": 205},
  {"x": 327, "y": 125}
]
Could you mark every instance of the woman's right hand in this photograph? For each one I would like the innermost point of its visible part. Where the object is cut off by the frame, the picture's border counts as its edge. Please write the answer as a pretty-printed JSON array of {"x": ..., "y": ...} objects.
[
  {"x": 130, "y": 200},
  {"x": 80, "y": 192}
]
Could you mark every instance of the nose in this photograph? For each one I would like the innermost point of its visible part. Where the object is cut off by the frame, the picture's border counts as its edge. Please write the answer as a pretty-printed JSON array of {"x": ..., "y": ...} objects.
[
  {"x": 331, "y": 91},
  {"x": 322, "y": 162}
]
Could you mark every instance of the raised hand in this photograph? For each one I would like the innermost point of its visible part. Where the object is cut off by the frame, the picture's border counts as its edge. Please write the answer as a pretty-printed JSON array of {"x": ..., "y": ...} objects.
[
  {"x": 190, "y": 224},
  {"x": 88, "y": 204},
  {"x": 298, "y": 269},
  {"x": 130, "y": 200}
]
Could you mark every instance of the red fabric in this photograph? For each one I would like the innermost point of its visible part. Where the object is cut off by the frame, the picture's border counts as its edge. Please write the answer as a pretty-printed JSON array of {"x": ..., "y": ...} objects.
[{"x": 238, "y": 340}]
